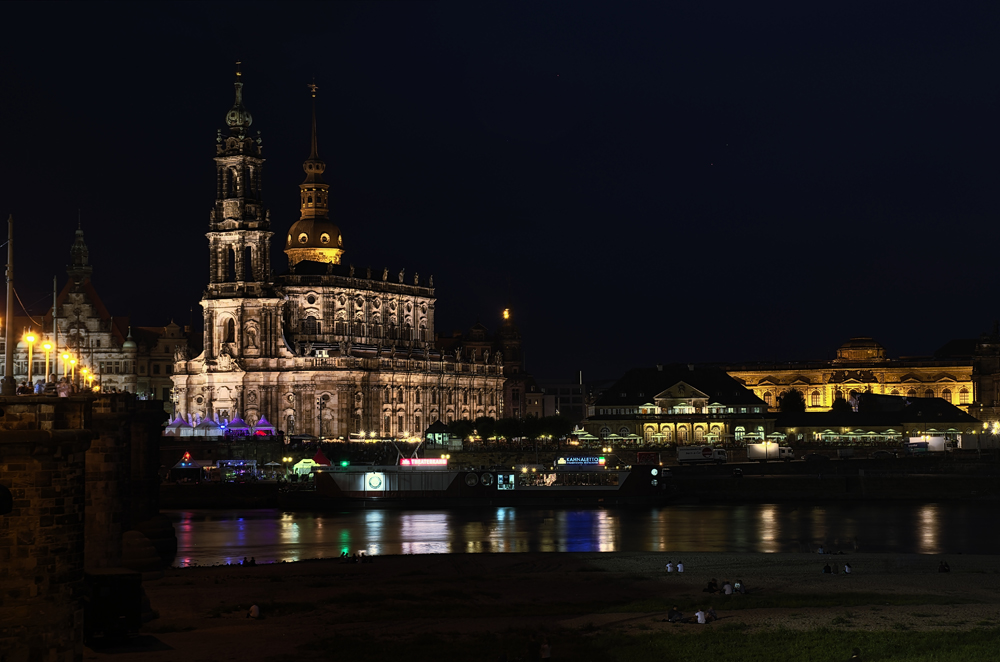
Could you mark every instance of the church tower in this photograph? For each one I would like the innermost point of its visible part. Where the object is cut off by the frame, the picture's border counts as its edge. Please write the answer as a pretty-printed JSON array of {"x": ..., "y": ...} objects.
[
  {"x": 242, "y": 312},
  {"x": 239, "y": 236},
  {"x": 314, "y": 237}
]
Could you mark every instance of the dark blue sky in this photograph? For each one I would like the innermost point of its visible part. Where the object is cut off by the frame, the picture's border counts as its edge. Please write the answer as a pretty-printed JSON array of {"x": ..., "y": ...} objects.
[{"x": 647, "y": 183}]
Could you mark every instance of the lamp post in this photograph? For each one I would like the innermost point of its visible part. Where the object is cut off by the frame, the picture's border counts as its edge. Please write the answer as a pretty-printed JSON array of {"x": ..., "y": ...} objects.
[
  {"x": 84, "y": 373},
  {"x": 65, "y": 358},
  {"x": 30, "y": 338},
  {"x": 72, "y": 371},
  {"x": 47, "y": 346}
]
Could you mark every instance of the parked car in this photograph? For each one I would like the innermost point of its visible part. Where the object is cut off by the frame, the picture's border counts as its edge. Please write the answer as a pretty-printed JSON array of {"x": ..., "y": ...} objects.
[
  {"x": 737, "y": 473},
  {"x": 882, "y": 455},
  {"x": 816, "y": 457}
]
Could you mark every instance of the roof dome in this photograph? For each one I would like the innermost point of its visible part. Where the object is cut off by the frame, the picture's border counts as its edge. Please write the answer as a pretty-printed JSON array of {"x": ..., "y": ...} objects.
[
  {"x": 861, "y": 348},
  {"x": 129, "y": 343}
]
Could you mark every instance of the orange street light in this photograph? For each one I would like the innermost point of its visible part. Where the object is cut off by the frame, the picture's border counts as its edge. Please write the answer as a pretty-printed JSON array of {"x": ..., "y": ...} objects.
[
  {"x": 72, "y": 370},
  {"x": 30, "y": 338},
  {"x": 47, "y": 346}
]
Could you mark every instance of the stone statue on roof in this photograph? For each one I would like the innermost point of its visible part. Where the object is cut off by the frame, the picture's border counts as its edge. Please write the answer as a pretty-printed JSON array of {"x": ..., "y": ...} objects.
[
  {"x": 352, "y": 271},
  {"x": 430, "y": 281},
  {"x": 416, "y": 278},
  {"x": 401, "y": 274},
  {"x": 385, "y": 274}
]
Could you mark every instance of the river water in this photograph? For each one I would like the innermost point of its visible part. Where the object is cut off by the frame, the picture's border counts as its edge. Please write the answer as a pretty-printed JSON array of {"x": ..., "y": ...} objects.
[{"x": 209, "y": 537}]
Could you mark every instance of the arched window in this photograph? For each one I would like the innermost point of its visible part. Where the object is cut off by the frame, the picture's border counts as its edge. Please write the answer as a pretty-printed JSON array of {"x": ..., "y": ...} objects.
[
  {"x": 230, "y": 333},
  {"x": 699, "y": 435},
  {"x": 682, "y": 436},
  {"x": 894, "y": 391},
  {"x": 912, "y": 393},
  {"x": 416, "y": 396},
  {"x": 768, "y": 397},
  {"x": 623, "y": 431},
  {"x": 740, "y": 432},
  {"x": 963, "y": 396},
  {"x": 647, "y": 434},
  {"x": 605, "y": 432},
  {"x": 814, "y": 399},
  {"x": 309, "y": 326},
  {"x": 946, "y": 394},
  {"x": 928, "y": 393}
]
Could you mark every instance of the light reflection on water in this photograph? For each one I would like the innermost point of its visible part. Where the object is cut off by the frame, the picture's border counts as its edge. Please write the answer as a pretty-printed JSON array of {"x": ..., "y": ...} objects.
[{"x": 209, "y": 537}]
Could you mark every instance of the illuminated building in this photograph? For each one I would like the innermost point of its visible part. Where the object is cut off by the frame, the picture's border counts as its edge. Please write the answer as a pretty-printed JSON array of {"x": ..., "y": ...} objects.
[
  {"x": 322, "y": 349},
  {"x": 116, "y": 356},
  {"x": 479, "y": 345},
  {"x": 861, "y": 366},
  {"x": 679, "y": 405}
]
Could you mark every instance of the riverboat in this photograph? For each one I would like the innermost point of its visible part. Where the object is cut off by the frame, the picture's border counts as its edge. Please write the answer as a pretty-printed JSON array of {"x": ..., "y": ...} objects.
[{"x": 578, "y": 480}]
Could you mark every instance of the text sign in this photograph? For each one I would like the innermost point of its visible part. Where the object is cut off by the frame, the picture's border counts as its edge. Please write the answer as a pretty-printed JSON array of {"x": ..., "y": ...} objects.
[
  {"x": 423, "y": 461},
  {"x": 581, "y": 460}
]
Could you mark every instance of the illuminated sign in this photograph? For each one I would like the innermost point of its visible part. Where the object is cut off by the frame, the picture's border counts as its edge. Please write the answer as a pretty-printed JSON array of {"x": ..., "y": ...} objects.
[
  {"x": 375, "y": 481},
  {"x": 581, "y": 460},
  {"x": 505, "y": 481},
  {"x": 423, "y": 461}
]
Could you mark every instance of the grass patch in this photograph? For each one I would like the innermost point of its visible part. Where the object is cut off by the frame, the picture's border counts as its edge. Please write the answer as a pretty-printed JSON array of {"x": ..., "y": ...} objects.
[
  {"x": 821, "y": 645},
  {"x": 921, "y": 614},
  {"x": 785, "y": 601}
]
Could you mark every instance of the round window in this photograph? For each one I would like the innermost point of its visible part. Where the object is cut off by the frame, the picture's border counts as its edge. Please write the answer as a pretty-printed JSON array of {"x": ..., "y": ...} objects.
[
  {"x": 340, "y": 240},
  {"x": 311, "y": 299},
  {"x": 303, "y": 238},
  {"x": 289, "y": 238},
  {"x": 325, "y": 238}
]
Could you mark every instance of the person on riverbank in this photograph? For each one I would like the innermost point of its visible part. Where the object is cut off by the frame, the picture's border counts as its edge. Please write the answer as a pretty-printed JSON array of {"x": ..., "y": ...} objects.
[
  {"x": 254, "y": 612},
  {"x": 727, "y": 588},
  {"x": 674, "y": 615},
  {"x": 670, "y": 566},
  {"x": 740, "y": 587},
  {"x": 713, "y": 586},
  {"x": 680, "y": 566},
  {"x": 827, "y": 570},
  {"x": 847, "y": 568},
  {"x": 710, "y": 614}
]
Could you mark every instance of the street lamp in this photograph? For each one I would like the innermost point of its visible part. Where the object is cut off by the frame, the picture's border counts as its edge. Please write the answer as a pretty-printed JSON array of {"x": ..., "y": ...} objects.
[
  {"x": 47, "y": 346},
  {"x": 83, "y": 373},
  {"x": 72, "y": 371},
  {"x": 65, "y": 358},
  {"x": 30, "y": 339}
]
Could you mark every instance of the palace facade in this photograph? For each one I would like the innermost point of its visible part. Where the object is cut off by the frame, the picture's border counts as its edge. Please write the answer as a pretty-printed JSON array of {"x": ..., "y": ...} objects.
[
  {"x": 861, "y": 366},
  {"x": 322, "y": 349},
  {"x": 679, "y": 405}
]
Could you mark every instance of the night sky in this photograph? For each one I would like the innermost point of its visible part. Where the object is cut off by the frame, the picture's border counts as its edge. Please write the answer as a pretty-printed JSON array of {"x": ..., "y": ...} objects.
[{"x": 645, "y": 183}]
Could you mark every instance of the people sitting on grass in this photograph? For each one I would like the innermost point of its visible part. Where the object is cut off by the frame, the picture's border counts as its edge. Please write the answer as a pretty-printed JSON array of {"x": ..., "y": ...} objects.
[
  {"x": 740, "y": 587},
  {"x": 827, "y": 570},
  {"x": 713, "y": 587},
  {"x": 670, "y": 566},
  {"x": 680, "y": 566},
  {"x": 700, "y": 616},
  {"x": 727, "y": 588},
  {"x": 847, "y": 568},
  {"x": 674, "y": 615},
  {"x": 710, "y": 615}
]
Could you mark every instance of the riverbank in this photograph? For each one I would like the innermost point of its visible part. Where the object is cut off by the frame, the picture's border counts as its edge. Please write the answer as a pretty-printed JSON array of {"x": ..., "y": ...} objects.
[{"x": 475, "y": 606}]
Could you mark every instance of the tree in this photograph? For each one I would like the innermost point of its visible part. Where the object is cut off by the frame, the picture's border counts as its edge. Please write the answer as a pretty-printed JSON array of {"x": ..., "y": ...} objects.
[
  {"x": 508, "y": 428},
  {"x": 792, "y": 402},
  {"x": 533, "y": 427},
  {"x": 841, "y": 406},
  {"x": 461, "y": 429},
  {"x": 557, "y": 426},
  {"x": 486, "y": 426}
]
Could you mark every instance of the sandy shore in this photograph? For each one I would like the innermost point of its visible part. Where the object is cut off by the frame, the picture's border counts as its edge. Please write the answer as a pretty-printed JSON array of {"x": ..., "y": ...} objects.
[{"x": 306, "y": 605}]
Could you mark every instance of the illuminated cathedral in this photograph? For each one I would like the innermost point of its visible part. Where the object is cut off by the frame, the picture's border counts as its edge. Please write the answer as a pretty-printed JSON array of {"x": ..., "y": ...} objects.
[{"x": 321, "y": 349}]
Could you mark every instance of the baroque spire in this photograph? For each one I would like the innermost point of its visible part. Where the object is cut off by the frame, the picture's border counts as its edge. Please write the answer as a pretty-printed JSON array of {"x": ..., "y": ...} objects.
[{"x": 238, "y": 118}]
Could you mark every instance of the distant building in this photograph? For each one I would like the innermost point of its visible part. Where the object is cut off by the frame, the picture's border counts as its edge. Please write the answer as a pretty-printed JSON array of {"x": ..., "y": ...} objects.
[
  {"x": 102, "y": 345},
  {"x": 861, "y": 366},
  {"x": 554, "y": 398},
  {"x": 879, "y": 419},
  {"x": 680, "y": 405},
  {"x": 505, "y": 345}
]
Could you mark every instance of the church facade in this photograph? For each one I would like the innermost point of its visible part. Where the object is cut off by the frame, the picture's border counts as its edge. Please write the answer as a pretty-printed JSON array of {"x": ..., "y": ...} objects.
[{"x": 320, "y": 350}]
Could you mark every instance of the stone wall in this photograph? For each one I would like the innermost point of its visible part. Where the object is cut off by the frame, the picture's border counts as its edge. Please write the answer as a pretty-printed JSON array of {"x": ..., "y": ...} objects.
[{"x": 42, "y": 539}]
